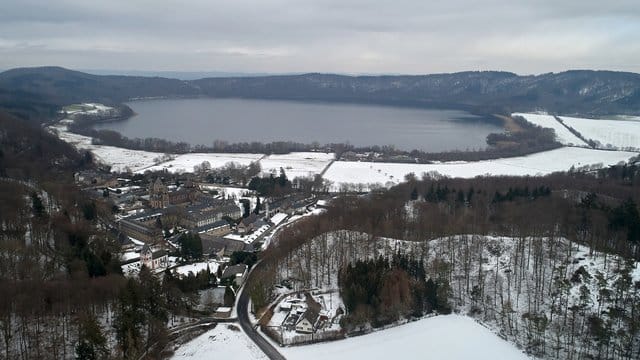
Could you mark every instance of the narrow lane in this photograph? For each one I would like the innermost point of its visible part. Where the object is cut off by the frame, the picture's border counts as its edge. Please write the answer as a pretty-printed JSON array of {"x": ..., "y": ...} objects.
[{"x": 245, "y": 323}]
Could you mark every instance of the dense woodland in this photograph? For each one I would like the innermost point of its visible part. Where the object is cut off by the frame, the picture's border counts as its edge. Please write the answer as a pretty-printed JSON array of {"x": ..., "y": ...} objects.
[
  {"x": 382, "y": 290},
  {"x": 63, "y": 294}
]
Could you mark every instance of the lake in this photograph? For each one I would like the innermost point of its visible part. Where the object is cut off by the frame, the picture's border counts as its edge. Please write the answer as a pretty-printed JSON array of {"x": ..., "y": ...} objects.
[{"x": 202, "y": 121}]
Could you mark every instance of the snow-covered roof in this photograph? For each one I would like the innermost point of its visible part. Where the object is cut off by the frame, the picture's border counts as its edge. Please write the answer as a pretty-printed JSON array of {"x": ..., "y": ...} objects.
[{"x": 278, "y": 218}]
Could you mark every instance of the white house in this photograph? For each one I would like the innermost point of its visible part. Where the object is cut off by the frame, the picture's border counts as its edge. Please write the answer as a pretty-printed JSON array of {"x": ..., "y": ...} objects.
[
  {"x": 153, "y": 259},
  {"x": 304, "y": 326},
  {"x": 306, "y": 321}
]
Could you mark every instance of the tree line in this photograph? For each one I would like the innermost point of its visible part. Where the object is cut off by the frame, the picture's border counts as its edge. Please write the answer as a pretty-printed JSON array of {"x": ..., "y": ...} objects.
[
  {"x": 381, "y": 291},
  {"x": 526, "y": 140}
]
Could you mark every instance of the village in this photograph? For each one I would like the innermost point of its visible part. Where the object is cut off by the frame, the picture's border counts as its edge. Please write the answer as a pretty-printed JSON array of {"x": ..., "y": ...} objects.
[{"x": 158, "y": 216}]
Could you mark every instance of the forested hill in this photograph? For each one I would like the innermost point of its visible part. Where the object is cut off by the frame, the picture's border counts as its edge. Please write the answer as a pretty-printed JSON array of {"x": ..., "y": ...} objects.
[
  {"x": 29, "y": 91},
  {"x": 40, "y": 92},
  {"x": 29, "y": 153},
  {"x": 584, "y": 92}
]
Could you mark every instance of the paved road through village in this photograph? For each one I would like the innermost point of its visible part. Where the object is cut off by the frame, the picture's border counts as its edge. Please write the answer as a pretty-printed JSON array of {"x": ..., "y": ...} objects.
[{"x": 243, "y": 319}]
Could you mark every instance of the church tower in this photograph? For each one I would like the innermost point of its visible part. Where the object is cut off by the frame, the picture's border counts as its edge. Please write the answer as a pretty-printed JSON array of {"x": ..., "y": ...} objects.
[{"x": 158, "y": 195}]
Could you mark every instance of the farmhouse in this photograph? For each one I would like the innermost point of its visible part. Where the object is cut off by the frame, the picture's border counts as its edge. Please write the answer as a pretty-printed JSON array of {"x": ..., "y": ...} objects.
[{"x": 307, "y": 320}]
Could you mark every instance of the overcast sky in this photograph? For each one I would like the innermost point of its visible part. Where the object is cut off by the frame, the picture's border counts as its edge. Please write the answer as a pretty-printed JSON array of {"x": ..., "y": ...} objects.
[{"x": 343, "y": 36}]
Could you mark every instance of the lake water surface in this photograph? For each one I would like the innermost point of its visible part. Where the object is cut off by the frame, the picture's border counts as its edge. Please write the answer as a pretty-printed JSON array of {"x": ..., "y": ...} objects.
[{"x": 202, "y": 121}]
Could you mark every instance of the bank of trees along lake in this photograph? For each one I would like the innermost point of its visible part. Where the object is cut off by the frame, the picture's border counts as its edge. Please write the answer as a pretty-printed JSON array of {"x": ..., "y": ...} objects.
[
  {"x": 546, "y": 261},
  {"x": 520, "y": 138}
]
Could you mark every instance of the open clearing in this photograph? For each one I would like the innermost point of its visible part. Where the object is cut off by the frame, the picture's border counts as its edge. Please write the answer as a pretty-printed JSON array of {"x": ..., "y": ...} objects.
[
  {"x": 449, "y": 337},
  {"x": 300, "y": 164},
  {"x": 342, "y": 173},
  {"x": 186, "y": 162},
  {"x": 225, "y": 341},
  {"x": 563, "y": 135},
  {"x": 375, "y": 174},
  {"x": 608, "y": 134}
]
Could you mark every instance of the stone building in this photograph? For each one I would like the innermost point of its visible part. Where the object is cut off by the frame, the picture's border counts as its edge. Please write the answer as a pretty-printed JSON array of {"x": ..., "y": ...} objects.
[
  {"x": 140, "y": 231},
  {"x": 160, "y": 197},
  {"x": 153, "y": 259},
  {"x": 207, "y": 214}
]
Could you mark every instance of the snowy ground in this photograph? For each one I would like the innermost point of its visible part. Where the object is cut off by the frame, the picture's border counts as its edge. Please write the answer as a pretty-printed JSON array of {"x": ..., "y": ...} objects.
[
  {"x": 608, "y": 134},
  {"x": 301, "y": 164},
  {"x": 563, "y": 135},
  {"x": 384, "y": 174},
  {"x": 225, "y": 341},
  {"x": 132, "y": 269},
  {"x": 87, "y": 108},
  {"x": 185, "y": 162},
  {"x": 442, "y": 337},
  {"x": 248, "y": 239},
  {"x": 230, "y": 192},
  {"x": 288, "y": 311},
  {"x": 118, "y": 158},
  {"x": 130, "y": 255},
  {"x": 195, "y": 268}
]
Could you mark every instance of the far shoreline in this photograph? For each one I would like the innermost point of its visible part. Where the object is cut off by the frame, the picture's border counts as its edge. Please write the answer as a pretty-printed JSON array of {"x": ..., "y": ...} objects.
[{"x": 383, "y": 153}]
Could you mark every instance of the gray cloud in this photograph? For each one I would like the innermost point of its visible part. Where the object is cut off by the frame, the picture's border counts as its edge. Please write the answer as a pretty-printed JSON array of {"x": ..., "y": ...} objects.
[{"x": 356, "y": 36}]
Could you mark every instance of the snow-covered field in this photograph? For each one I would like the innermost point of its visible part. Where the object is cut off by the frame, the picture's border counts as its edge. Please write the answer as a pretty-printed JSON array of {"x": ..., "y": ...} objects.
[
  {"x": 301, "y": 164},
  {"x": 229, "y": 192},
  {"x": 225, "y": 341},
  {"x": 186, "y": 162},
  {"x": 118, "y": 158},
  {"x": 346, "y": 174},
  {"x": 383, "y": 174},
  {"x": 608, "y": 134},
  {"x": 87, "y": 108},
  {"x": 563, "y": 135},
  {"x": 449, "y": 337},
  {"x": 195, "y": 268},
  {"x": 122, "y": 159}
]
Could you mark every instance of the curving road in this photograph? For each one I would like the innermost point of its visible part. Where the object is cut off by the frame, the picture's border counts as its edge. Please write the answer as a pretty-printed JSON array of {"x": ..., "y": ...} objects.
[{"x": 243, "y": 318}]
